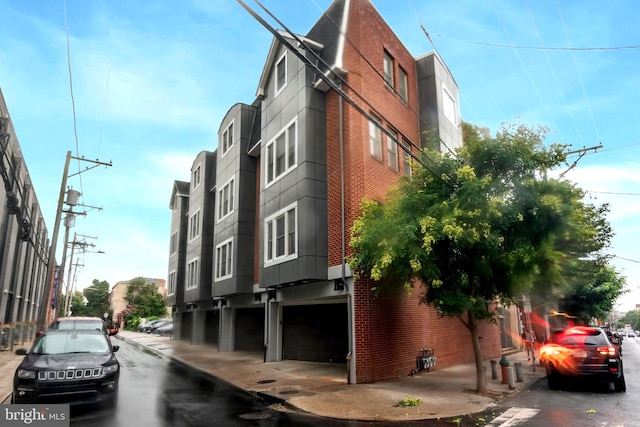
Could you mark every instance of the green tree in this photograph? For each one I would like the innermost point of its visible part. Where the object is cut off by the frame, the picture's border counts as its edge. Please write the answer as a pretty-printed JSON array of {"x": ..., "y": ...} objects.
[
  {"x": 594, "y": 290},
  {"x": 632, "y": 318},
  {"x": 476, "y": 228},
  {"x": 97, "y": 296},
  {"x": 145, "y": 300},
  {"x": 78, "y": 305}
]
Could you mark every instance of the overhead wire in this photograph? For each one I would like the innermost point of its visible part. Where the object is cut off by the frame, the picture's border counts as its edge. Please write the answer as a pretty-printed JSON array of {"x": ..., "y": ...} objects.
[
  {"x": 559, "y": 87},
  {"x": 73, "y": 102},
  {"x": 575, "y": 64},
  {"x": 330, "y": 82},
  {"x": 433, "y": 131},
  {"x": 545, "y": 48}
]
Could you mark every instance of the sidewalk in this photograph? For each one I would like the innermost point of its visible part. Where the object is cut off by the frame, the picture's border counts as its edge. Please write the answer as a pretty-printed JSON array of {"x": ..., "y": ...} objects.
[{"x": 322, "y": 389}]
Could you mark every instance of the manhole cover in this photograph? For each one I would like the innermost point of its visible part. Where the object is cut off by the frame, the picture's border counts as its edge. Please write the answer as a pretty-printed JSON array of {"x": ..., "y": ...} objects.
[
  {"x": 289, "y": 392},
  {"x": 255, "y": 416},
  {"x": 266, "y": 381}
]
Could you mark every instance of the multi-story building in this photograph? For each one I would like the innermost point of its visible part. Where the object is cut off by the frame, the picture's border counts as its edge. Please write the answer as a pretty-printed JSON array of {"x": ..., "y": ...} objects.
[
  {"x": 23, "y": 234},
  {"x": 257, "y": 259}
]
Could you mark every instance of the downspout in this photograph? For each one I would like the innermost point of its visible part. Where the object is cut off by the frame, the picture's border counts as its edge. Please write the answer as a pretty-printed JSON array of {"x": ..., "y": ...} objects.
[{"x": 350, "y": 359}]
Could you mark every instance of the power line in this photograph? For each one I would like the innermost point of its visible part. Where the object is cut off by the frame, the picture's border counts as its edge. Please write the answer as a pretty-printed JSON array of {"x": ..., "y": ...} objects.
[
  {"x": 329, "y": 81},
  {"x": 575, "y": 64},
  {"x": 73, "y": 102},
  {"x": 433, "y": 131},
  {"x": 547, "y": 48}
]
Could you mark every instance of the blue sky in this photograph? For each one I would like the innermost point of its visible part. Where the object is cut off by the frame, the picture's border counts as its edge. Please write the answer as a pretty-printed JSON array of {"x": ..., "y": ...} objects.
[{"x": 153, "y": 80}]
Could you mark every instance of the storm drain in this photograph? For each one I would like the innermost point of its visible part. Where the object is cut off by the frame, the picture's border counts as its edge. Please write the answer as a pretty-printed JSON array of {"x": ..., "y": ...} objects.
[
  {"x": 255, "y": 416},
  {"x": 289, "y": 392},
  {"x": 266, "y": 381}
]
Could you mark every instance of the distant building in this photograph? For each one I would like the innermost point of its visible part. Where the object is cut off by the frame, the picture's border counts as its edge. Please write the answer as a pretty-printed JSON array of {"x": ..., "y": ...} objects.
[
  {"x": 117, "y": 297},
  {"x": 260, "y": 233}
]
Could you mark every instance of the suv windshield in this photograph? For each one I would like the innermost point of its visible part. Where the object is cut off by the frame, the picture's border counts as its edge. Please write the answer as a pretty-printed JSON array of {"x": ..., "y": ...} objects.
[{"x": 65, "y": 343}]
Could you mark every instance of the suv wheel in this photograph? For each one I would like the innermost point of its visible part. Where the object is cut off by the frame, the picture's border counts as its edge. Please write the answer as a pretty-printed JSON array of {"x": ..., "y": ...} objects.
[{"x": 620, "y": 385}]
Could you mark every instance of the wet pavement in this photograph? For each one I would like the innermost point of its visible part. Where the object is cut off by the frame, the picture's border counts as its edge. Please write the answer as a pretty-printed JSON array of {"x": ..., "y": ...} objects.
[{"x": 322, "y": 389}]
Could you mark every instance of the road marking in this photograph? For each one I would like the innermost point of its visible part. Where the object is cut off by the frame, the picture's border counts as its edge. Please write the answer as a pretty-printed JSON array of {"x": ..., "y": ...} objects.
[{"x": 513, "y": 417}]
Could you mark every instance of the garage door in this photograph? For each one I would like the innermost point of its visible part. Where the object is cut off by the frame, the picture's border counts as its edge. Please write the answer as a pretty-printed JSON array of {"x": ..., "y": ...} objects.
[{"x": 315, "y": 333}]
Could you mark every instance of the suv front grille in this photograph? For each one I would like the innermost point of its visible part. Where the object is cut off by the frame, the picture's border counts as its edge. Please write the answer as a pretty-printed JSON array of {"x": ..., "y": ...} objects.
[{"x": 69, "y": 374}]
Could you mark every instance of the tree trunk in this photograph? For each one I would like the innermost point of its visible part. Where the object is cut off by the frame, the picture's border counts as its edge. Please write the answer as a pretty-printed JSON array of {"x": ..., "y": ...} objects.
[{"x": 481, "y": 386}]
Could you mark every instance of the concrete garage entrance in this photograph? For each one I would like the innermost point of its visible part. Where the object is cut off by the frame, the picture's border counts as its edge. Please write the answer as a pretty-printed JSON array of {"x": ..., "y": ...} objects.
[
  {"x": 316, "y": 333},
  {"x": 249, "y": 334},
  {"x": 212, "y": 327},
  {"x": 187, "y": 326}
]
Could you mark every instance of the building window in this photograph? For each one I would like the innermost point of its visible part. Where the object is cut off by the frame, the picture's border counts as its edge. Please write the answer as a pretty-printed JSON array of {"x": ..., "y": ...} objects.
[
  {"x": 281, "y": 236},
  {"x": 375, "y": 139},
  {"x": 192, "y": 274},
  {"x": 282, "y": 152},
  {"x": 388, "y": 68},
  {"x": 194, "y": 226},
  {"x": 406, "y": 158},
  {"x": 195, "y": 177},
  {"x": 173, "y": 246},
  {"x": 225, "y": 199},
  {"x": 392, "y": 149},
  {"x": 227, "y": 139},
  {"x": 281, "y": 73},
  {"x": 171, "y": 286},
  {"x": 448, "y": 105},
  {"x": 224, "y": 260},
  {"x": 403, "y": 85}
]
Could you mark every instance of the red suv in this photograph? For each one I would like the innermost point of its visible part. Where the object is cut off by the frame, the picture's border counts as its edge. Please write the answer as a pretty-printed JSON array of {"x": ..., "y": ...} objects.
[{"x": 582, "y": 352}]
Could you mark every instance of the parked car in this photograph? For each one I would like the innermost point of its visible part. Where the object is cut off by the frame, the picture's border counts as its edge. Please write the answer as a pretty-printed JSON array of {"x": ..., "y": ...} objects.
[
  {"x": 152, "y": 329},
  {"x": 144, "y": 327},
  {"x": 582, "y": 352},
  {"x": 73, "y": 367},
  {"x": 165, "y": 330}
]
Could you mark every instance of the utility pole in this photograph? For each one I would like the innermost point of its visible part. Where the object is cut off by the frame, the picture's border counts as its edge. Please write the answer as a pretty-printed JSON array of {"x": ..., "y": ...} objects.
[
  {"x": 69, "y": 288},
  {"x": 44, "y": 304},
  {"x": 582, "y": 152}
]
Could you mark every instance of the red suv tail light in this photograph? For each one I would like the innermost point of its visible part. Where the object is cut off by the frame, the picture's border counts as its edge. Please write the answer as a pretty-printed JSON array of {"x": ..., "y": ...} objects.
[{"x": 606, "y": 351}]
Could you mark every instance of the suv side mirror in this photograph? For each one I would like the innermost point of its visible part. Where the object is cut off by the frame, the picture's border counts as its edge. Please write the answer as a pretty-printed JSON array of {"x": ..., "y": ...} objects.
[{"x": 21, "y": 352}]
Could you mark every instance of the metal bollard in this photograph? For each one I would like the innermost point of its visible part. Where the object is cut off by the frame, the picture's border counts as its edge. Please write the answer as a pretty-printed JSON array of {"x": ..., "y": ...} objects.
[
  {"x": 494, "y": 370},
  {"x": 512, "y": 384},
  {"x": 518, "y": 368},
  {"x": 504, "y": 364}
]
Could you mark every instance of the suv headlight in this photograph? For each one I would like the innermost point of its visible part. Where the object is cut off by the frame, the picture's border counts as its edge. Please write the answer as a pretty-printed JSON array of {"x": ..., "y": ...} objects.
[
  {"x": 26, "y": 375},
  {"x": 110, "y": 369}
]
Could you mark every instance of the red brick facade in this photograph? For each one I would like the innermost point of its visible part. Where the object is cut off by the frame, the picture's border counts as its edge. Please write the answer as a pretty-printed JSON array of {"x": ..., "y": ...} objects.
[{"x": 389, "y": 331}]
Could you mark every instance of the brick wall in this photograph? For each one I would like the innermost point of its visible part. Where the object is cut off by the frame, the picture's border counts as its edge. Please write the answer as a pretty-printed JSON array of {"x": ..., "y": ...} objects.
[{"x": 390, "y": 330}]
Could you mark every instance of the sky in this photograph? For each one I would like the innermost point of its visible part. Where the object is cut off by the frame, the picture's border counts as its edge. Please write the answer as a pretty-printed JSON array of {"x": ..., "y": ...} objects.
[{"x": 151, "y": 82}]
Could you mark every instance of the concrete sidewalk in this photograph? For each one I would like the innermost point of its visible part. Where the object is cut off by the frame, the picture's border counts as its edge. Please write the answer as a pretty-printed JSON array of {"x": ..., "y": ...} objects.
[{"x": 321, "y": 388}]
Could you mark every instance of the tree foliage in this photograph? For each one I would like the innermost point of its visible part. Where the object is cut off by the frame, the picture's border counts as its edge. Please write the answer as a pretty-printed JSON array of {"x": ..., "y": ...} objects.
[
  {"x": 144, "y": 299},
  {"x": 632, "y": 318},
  {"x": 97, "y": 297},
  {"x": 484, "y": 225},
  {"x": 78, "y": 306},
  {"x": 594, "y": 289}
]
